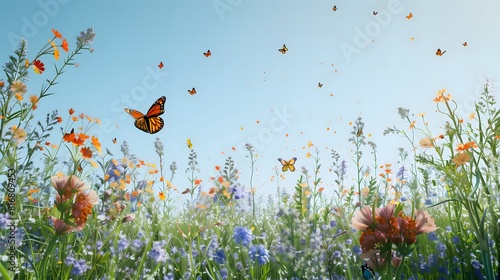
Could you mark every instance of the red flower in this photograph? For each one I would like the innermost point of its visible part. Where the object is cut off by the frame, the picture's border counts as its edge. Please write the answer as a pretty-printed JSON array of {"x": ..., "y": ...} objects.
[
  {"x": 38, "y": 66},
  {"x": 65, "y": 45}
]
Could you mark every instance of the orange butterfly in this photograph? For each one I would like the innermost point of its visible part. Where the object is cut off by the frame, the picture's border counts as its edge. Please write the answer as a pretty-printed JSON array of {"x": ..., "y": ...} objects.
[
  {"x": 335, "y": 8},
  {"x": 207, "y": 54},
  {"x": 465, "y": 44},
  {"x": 320, "y": 85},
  {"x": 439, "y": 52},
  {"x": 284, "y": 49},
  {"x": 186, "y": 191},
  {"x": 288, "y": 165},
  {"x": 151, "y": 122},
  {"x": 160, "y": 65},
  {"x": 114, "y": 140},
  {"x": 192, "y": 91},
  {"x": 409, "y": 16}
]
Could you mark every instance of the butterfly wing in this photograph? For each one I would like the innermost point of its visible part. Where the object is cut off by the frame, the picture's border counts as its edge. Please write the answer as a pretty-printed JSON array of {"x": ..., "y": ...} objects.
[
  {"x": 367, "y": 271},
  {"x": 134, "y": 113},
  {"x": 291, "y": 164},
  {"x": 157, "y": 108},
  {"x": 155, "y": 124},
  {"x": 284, "y": 164},
  {"x": 150, "y": 122}
]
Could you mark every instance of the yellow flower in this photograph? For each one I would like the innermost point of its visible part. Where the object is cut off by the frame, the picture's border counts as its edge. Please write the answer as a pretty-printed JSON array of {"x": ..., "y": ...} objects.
[
  {"x": 308, "y": 155},
  {"x": 162, "y": 196},
  {"x": 412, "y": 125},
  {"x": 34, "y": 101},
  {"x": 96, "y": 143},
  {"x": 440, "y": 97},
  {"x": 472, "y": 115},
  {"x": 18, "y": 87},
  {"x": 310, "y": 144}
]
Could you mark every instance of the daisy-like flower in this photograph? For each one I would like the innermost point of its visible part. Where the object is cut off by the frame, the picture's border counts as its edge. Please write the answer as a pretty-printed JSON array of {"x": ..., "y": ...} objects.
[
  {"x": 56, "y": 33},
  {"x": 38, "y": 66},
  {"x": 86, "y": 152},
  {"x": 424, "y": 222},
  {"x": 426, "y": 143},
  {"x": 56, "y": 50},
  {"x": 461, "y": 159},
  {"x": 18, "y": 87},
  {"x": 71, "y": 111},
  {"x": 441, "y": 98},
  {"x": 96, "y": 143},
  {"x": 18, "y": 134},
  {"x": 363, "y": 219},
  {"x": 66, "y": 186},
  {"x": 162, "y": 196}
]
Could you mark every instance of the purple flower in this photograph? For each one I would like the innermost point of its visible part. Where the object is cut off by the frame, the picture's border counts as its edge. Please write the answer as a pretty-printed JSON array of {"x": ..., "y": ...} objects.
[
  {"x": 123, "y": 244},
  {"x": 79, "y": 267},
  {"x": 401, "y": 173},
  {"x": 4, "y": 220},
  {"x": 242, "y": 235},
  {"x": 343, "y": 169},
  {"x": 157, "y": 252},
  {"x": 259, "y": 253},
  {"x": 223, "y": 273}
]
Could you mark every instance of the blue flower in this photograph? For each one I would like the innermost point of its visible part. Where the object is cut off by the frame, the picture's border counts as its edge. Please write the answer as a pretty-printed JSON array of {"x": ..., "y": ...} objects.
[
  {"x": 220, "y": 256},
  {"x": 356, "y": 250},
  {"x": 242, "y": 236},
  {"x": 123, "y": 244},
  {"x": 432, "y": 236},
  {"x": 79, "y": 267},
  {"x": 259, "y": 253},
  {"x": 157, "y": 252},
  {"x": 4, "y": 220},
  {"x": 223, "y": 273},
  {"x": 428, "y": 201}
]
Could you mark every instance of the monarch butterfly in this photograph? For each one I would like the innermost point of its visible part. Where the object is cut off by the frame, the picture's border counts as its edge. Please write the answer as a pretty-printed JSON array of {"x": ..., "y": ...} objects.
[
  {"x": 207, "y": 54},
  {"x": 439, "y": 52},
  {"x": 320, "y": 85},
  {"x": 288, "y": 165},
  {"x": 375, "y": 13},
  {"x": 335, "y": 8},
  {"x": 465, "y": 44},
  {"x": 284, "y": 49},
  {"x": 192, "y": 91},
  {"x": 160, "y": 65},
  {"x": 409, "y": 16},
  {"x": 367, "y": 271},
  {"x": 151, "y": 122}
]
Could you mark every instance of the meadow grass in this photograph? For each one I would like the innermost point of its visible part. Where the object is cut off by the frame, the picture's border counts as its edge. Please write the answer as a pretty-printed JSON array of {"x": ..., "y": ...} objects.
[{"x": 436, "y": 217}]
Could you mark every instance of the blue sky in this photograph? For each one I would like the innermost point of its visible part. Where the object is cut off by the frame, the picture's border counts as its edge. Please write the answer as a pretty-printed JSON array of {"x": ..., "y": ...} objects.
[{"x": 368, "y": 65}]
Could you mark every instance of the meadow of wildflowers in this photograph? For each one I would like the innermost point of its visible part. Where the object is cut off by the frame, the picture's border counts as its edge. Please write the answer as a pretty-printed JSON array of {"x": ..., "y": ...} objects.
[{"x": 431, "y": 214}]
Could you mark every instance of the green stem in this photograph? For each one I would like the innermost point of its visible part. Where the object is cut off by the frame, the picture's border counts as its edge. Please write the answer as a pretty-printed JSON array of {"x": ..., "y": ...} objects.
[
  {"x": 48, "y": 252},
  {"x": 4, "y": 273}
]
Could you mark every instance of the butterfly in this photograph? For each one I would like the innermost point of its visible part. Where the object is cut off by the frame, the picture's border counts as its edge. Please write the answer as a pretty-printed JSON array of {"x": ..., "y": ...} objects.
[
  {"x": 189, "y": 143},
  {"x": 409, "y": 16},
  {"x": 335, "y": 8},
  {"x": 192, "y": 91},
  {"x": 367, "y": 271},
  {"x": 151, "y": 122},
  {"x": 288, "y": 165},
  {"x": 186, "y": 191},
  {"x": 207, "y": 54},
  {"x": 114, "y": 140},
  {"x": 284, "y": 49},
  {"x": 320, "y": 85},
  {"x": 359, "y": 132},
  {"x": 439, "y": 52},
  {"x": 465, "y": 44},
  {"x": 160, "y": 65},
  {"x": 375, "y": 13}
]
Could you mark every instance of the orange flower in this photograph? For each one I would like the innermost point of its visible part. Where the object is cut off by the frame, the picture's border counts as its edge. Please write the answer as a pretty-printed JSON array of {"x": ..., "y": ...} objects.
[
  {"x": 95, "y": 142},
  {"x": 71, "y": 111},
  {"x": 197, "y": 182},
  {"x": 59, "y": 119},
  {"x": 65, "y": 45},
  {"x": 18, "y": 134},
  {"x": 440, "y": 97},
  {"x": 461, "y": 158},
  {"x": 321, "y": 189},
  {"x": 466, "y": 146},
  {"x": 34, "y": 101},
  {"x": 38, "y": 66},
  {"x": 426, "y": 143},
  {"x": 66, "y": 186},
  {"x": 2, "y": 83},
  {"x": 56, "y": 33},
  {"x": 220, "y": 179},
  {"x": 81, "y": 116},
  {"x": 217, "y": 167},
  {"x": 412, "y": 125},
  {"x": 162, "y": 196},
  {"x": 83, "y": 207},
  {"x": 86, "y": 152}
]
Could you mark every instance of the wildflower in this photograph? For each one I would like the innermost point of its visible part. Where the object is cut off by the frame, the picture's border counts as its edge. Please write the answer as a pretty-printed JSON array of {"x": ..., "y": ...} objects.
[
  {"x": 86, "y": 38},
  {"x": 34, "y": 101},
  {"x": 2, "y": 83},
  {"x": 82, "y": 207},
  {"x": 71, "y": 111},
  {"x": 242, "y": 235},
  {"x": 363, "y": 218},
  {"x": 157, "y": 252},
  {"x": 259, "y": 253},
  {"x": 18, "y": 87},
  {"x": 96, "y": 143},
  {"x": 56, "y": 51},
  {"x": 440, "y": 97},
  {"x": 461, "y": 159},
  {"x": 66, "y": 186},
  {"x": 60, "y": 226},
  {"x": 308, "y": 155},
  {"x": 56, "y": 33},
  {"x": 158, "y": 147},
  {"x": 38, "y": 66},
  {"x": 426, "y": 143},
  {"x": 424, "y": 222},
  {"x": 197, "y": 182},
  {"x": 220, "y": 256},
  {"x": 217, "y": 168},
  {"x": 162, "y": 196},
  {"x": 86, "y": 152},
  {"x": 79, "y": 267},
  {"x": 412, "y": 125},
  {"x": 310, "y": 144},
  {"x": 65, "y": 45},
  {"x": 18, "y": 134}
]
